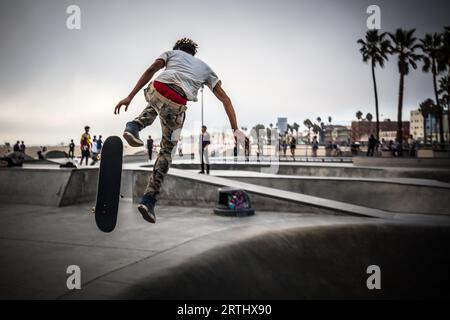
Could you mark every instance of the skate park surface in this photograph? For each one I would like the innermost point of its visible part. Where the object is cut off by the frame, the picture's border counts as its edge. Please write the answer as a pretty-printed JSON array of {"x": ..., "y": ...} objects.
[{"x": 309, "y": 238}]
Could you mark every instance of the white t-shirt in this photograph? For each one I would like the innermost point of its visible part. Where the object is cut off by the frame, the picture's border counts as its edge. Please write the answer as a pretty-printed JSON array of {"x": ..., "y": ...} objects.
[
  {"x": 94, "y": 147},
  {"x": 187, "y": 72}
]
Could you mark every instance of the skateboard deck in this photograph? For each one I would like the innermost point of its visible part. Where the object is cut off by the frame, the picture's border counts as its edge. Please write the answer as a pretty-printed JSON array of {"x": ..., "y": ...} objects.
[{"x": 108, "y": 191}]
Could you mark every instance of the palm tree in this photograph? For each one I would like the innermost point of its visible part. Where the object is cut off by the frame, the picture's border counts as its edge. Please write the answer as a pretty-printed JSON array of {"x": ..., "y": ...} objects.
[
  {"x": 296, "y": 126},
  {"x": 374, "y": 50},
  {"x": 322, "y": 132},
  {"x": 258, "y": 132},
  {"x": 330, "y": 119},
  {"x": 359, "y": 115},
  {"x": 427, "y": 108},
  {"x": 308, "y": 123},
  {"x": 404, "y": 46},
  {"x": 444, "y": 62},
  {"x": 444, "y": 94},
  {"x": 431, "y": 46},
  {"x": 316, "y": 128}
]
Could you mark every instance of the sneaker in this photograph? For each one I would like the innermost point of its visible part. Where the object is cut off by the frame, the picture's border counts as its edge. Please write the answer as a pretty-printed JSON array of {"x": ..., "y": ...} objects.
[
  {"x": 147, "y": 208},
  {"x": 131, "y": 134}
]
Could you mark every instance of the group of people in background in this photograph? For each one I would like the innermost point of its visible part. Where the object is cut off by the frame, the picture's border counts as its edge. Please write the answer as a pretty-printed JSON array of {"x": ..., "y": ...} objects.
[
  {"x": 90, "y": 149},
  {"x": 20, "y": 147}
]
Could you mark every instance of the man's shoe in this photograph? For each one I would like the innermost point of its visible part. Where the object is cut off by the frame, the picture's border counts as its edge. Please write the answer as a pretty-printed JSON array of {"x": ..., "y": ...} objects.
[
  {"x": 147, "y": 208},
  {"x": 131, "y": 134}
]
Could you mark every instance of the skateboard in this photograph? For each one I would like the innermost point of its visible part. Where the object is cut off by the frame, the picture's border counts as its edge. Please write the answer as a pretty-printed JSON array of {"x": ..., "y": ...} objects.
[{"x": 108, "y": 191}]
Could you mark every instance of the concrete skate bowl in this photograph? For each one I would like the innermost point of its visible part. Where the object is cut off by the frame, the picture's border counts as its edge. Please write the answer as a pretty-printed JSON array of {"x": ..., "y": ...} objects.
[{"x": 327, "y": 262}]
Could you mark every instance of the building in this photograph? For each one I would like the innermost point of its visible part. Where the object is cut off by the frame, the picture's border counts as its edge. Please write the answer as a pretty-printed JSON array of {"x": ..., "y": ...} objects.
[
  {"x": 282, "y": 124},
  {"x": 361, "y": 130},
  {"x": 416, "y": 124},
  {"x": 337, "y": 133},
  {"x": 431, "y": 125}
]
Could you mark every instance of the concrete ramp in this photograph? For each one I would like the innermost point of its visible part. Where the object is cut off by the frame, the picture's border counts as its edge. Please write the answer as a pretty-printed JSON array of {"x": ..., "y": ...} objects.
[{"x": 327, "y": 262}]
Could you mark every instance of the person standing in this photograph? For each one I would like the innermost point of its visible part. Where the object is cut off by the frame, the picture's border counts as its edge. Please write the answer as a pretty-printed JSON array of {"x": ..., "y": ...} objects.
[
  {"x": 23, "y": 147},
  {"x": 16, "y": 147},
  {"x": 372, "y": 145},
  {"x": 412, "y": 146},
  {"x": 180, "y": 148},
  {"x": 85, "y": 145},
  {"x": 315, "y": 147},
  {"x": 71, "y": 149},
  {"x": 284, "y": 146},
  {"x": 99, "y": 144},
  {"x": 205, "y": 141},
  {"x": 150, "y": 147},
  {"x": 94, "y": 151},
  {"x": 293, "y": 146}
]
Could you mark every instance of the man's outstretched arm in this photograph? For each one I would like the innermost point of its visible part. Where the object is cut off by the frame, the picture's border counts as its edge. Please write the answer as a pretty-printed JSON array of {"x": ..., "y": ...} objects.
[
  {"x": 143, "y": 80},
  {"x": 229, "y": 109}
]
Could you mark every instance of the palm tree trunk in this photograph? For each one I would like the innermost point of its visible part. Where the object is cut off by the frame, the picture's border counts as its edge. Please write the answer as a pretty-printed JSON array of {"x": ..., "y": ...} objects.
[
  {"x": 400, "y": 110},
  {"x": 425, "y": 119},
  {"x": 376, "y": 100},
  {"x": 448, "y": 101},
  {"x": 441, "y": 122},
  {"x": 431, "y": 128}
]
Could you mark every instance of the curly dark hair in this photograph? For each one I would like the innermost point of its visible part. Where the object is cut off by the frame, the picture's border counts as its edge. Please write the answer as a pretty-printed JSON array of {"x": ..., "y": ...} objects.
[{"x": 186, "y": 45}]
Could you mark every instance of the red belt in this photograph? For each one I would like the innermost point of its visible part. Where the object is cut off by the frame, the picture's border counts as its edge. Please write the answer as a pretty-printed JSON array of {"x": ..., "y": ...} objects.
[{"x": 168, "y": 93}]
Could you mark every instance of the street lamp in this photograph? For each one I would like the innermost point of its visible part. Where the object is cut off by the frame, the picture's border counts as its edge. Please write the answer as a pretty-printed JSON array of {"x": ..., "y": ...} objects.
[{"x": 201, "y": 90}]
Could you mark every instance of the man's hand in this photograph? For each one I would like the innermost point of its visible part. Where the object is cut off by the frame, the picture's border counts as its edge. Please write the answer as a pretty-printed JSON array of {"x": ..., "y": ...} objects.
[
  {"x": 125, "y": 102},
  {"x": 143, "y": 80},
  {"x": 239, "y": 137}
]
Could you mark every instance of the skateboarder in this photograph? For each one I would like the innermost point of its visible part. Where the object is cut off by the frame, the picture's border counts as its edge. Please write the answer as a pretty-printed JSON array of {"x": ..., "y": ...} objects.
[{"x": 167, "y": 97}]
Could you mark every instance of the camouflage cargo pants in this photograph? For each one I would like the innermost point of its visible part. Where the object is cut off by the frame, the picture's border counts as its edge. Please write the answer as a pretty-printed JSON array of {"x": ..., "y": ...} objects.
[{"x": 171, "y": 116}]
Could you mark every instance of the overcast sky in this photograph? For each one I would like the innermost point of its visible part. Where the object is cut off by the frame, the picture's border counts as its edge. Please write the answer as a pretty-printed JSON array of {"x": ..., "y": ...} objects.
[{"x": 297, "y": 59}]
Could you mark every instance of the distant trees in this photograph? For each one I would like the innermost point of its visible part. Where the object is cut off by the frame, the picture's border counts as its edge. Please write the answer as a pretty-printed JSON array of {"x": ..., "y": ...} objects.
[
  {"x": 359, "y": 115},
  {"x": 431, "y": 46},
  {"x": 433, "y": 50},
  {"x": 427, "y": 108},
  {"x": 374, "y": 50}
]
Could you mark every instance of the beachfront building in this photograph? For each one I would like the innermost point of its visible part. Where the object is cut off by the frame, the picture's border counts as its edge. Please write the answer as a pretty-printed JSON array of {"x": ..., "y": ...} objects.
[{"x": 361, "y": 130}]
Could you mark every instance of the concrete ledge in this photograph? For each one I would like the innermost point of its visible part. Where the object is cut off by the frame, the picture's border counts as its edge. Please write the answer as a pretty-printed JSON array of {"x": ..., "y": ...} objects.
[
  {"x": 394, "y": 194},
  {"x": 331, "y": 170},
  {"x": 403, "y": 162},
  {"x": 53, "y": 186},
  {"x": 201, "y": 190},
  {"x": 33, "y": 186}
]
